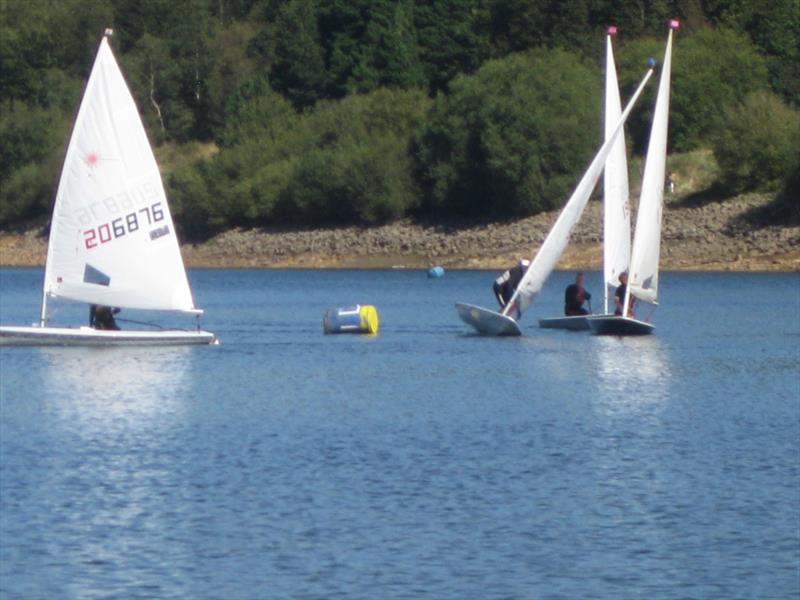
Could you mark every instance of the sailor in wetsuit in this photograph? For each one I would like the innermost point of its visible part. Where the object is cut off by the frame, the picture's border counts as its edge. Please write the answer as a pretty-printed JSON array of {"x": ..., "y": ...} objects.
[
  {"x": 102, "y": 317},
  {"x": 505, "y": 285},
  {"x": 574, "y": 297},
  {"x": 619, "y": 296}
]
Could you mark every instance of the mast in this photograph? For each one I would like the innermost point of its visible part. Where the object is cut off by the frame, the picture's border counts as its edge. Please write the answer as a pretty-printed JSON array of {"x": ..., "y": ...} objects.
[
  {"x": 616, "y": 219},
  {"x": 43, "y": 316},
  {"x": 612, "y": 30}
]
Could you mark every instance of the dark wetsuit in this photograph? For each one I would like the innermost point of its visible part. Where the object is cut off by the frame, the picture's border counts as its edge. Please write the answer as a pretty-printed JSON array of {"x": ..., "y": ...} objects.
[
  {"x": 505, "y": 285},
  {"x": 102, "y": 317},
  {"x": 620, "y": 295},
  {"x": 574, "y": 297}
]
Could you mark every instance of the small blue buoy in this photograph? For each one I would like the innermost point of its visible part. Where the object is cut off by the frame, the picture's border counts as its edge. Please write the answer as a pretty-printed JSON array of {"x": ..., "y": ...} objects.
[{"x": 436, "y": 272}]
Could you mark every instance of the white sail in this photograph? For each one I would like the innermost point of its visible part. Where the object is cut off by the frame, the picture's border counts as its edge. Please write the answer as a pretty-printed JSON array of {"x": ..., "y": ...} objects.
[
  {"x": 112, "y": 240},
  {"x": 616, "y": 209},
  {"x": 553, "y": 246},
  {"x": 643, "y": 277}
]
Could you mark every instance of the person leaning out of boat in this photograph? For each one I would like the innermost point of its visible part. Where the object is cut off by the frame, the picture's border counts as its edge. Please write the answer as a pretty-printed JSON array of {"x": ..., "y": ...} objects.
[
  {"x": 619, "y": 296},
  {"x": 102, "y": 317},
  {"x": 505, "y": 285},
  {"x": 574, "y": 297}
]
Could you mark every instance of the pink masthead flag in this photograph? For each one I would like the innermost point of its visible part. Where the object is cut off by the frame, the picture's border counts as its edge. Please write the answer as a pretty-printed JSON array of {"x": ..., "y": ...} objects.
[
  {"x": 612, "y": 30},
  {"x": 674, "y": 24}
]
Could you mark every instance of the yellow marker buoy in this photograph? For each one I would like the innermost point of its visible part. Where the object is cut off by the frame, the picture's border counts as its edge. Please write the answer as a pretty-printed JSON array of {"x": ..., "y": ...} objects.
[{"x": 361, "y": 318}]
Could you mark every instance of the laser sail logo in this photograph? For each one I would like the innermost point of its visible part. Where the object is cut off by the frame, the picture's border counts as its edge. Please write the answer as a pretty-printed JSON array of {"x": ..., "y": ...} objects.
[
  {"x": 92, "y": 159},
  {"x": 160, "y": 232}
]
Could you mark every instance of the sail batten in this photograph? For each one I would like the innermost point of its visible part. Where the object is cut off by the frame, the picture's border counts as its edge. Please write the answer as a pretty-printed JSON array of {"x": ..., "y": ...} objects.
[{"x": 111, "y": 214}]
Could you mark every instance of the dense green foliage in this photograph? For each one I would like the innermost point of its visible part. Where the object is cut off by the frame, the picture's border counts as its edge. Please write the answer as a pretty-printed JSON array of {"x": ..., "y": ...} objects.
[
  {"x": 500, "y": 143},
  {"x": 341, "y": 161},
  {"x": 368, "y": 110},
  {"x": 774, "y": 28},
  {"x": 31, "y": 149},
  {"x": 757, "y": 143},
  {"x": 710, "y": 70}
]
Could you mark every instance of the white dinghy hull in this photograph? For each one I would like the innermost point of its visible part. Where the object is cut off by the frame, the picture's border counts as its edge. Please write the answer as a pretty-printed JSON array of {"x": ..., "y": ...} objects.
[
  {"x": 87, "y": 336},
  {"x": 574, "y": 323},
  {"x": 487, "y": 322},
  {"x": 617, "y": 325}
]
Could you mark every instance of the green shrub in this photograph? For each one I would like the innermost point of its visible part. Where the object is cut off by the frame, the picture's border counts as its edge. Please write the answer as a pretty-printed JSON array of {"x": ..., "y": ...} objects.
[
  {"x": 192, "y": 205},
  {"x": 345, "y": 161},
  {"x": 513, "y": 139},
  {"x": 353, "y": 163},
  {"x": 264, "y": 189},
  {"x": 27, "y": 135},
  {"x": 254, "y": 112},
  {"x": 381, "y": 184},
  {"x": 367, "y": 183},
  {"x": 710, "y": 70},
  {"x": 26, "y": 194},
  {"x": 32, "y": 143},
  {"x": 756, "y": 143}
]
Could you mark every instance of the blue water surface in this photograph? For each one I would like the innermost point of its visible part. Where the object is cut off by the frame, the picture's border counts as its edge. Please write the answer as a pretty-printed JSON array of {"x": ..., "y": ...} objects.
[{"x": 424, "y": 462}]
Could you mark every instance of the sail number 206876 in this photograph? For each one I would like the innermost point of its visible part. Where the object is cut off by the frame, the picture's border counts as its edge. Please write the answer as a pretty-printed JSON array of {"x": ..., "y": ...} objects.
[{"x": 122, "y": 225}]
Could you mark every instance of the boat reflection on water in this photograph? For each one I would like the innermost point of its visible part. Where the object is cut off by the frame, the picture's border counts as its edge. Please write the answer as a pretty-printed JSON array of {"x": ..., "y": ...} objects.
[
  {"x": 632, "y": 372},
  {"x": 113, "y": 415},
  {"x": 102, "y": 388}
]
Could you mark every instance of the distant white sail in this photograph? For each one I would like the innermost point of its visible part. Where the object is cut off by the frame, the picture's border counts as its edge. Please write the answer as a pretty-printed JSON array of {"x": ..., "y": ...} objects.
[
  {"x": 553, "y": 246},
  {"x": 643, "y": 277},
  {"x": 112, "y": 239},
  {"x": 616, "y": 208}
]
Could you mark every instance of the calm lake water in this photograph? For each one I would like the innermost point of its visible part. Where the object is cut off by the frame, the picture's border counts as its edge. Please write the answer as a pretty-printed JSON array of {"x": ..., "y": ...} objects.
[{"x": 423, "y": 462}]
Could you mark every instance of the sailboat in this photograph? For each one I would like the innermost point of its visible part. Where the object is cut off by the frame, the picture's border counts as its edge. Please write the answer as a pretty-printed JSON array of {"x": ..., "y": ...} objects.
[
  {"x": 489, "y": 322},
  {"x": 643, "y": 276},
  {"x": 616, "y": 211},
  {"x": 112, "y": 240}
]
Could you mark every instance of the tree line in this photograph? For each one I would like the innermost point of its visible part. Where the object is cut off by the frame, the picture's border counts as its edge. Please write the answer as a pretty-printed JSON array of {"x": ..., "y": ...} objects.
[{"x": 367, "y": 111}]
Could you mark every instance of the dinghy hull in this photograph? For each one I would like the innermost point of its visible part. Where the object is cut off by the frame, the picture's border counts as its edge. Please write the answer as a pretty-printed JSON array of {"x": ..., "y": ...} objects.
[
  {"x": 86, "y": 336},
  {"x": 576, "y": 323},
  {"x": 487, "y": 322},
  {"x": 616, "y": 325}
]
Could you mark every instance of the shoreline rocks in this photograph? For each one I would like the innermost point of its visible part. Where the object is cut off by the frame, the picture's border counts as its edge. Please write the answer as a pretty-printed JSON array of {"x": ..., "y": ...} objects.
[{"x": 712, "y": 236}]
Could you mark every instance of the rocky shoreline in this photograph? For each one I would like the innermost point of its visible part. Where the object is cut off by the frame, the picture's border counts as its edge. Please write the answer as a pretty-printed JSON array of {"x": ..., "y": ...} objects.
[{"x": 701, "y": 236}]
